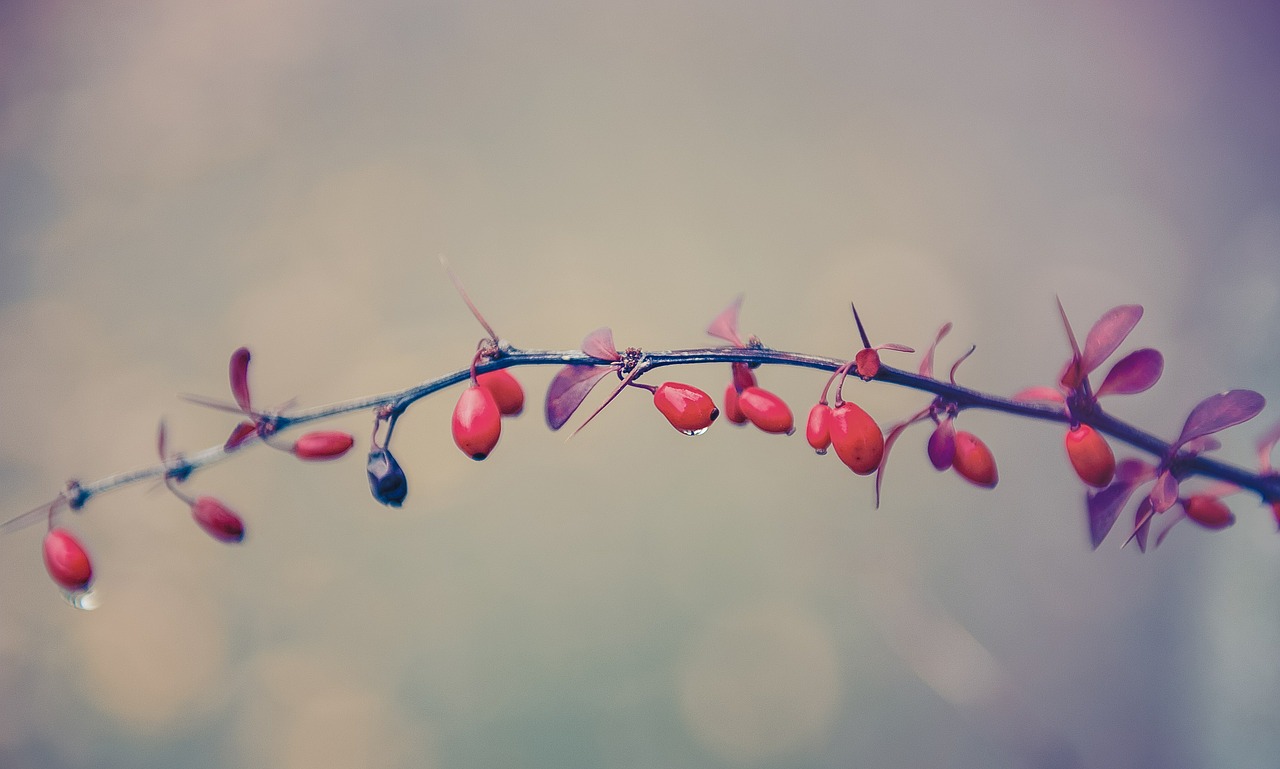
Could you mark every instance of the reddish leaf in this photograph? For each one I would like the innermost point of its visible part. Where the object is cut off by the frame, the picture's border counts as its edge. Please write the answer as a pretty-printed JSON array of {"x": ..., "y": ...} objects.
[
  {"x": 568, "y": 389},
  {"x": 1134, "y": 471},
  {"x": 1071, "y": 376},
  {"x": 1218, "y": 412},
  {"x": 1046, "y": 394},
  {"x": 599, "y": 344},
  {"x": 1134, "y": 373},
  {"x": 239, "y": 435},
  {"x": 1266, "y": 443},
  {"x": 725, "y": 325},
  {"x": 1108, "y": 334},
  {"x": 926, "y": 364},
  {"x": 240, "y": 378}
]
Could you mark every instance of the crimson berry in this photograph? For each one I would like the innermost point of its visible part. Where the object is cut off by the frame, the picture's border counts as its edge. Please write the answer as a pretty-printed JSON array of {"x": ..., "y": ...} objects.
[
  {"x": 1091, "y": 456},
  {"x": 218, "y": 520},
  {"x": 688, "y": 409},
  {"x": 766, "y": 410},
  {"x": 1208, "y": 511},
  {"x": 66, "y": 560},
  {"x": 818, "y": 429},
  {"x": 506, "y": 391},
  {"x": 856, "y": 438},
  {"x": 323, "y": 444},
  {"x": 974, "y": 461},
  {"x": 732, "y": 411},
  {"x": 477, "y": 422}
]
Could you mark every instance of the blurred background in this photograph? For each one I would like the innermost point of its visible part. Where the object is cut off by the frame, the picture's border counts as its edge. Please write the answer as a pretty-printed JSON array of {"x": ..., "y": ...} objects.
[{"x": 178, "y": 179}]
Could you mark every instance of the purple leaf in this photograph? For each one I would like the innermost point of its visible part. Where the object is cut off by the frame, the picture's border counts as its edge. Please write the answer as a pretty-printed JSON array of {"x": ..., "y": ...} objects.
[
  {"x": 239, "y": 370},
  {"x": 599, "y": 344},
  {"x": 1104, "y": 508},
  {"x": 1202, "y": 444},
  {"x": 1134, "y": 471},
  {"x": 1165, "y": 493},
  {"x": 926, "y": 365},
  {"x": 1218, "y": 412},
  {"x": 1134, "y": 373},
  {"x": 725, "y": 325},
  {"x": 1108, "y": 334},
  {"x": 1142, "y": 524},
  {"x": 568, "y": 389}
]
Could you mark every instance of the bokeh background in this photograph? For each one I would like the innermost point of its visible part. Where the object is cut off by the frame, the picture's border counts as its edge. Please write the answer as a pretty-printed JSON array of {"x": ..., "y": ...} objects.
[{"x": 181, "y": 178}]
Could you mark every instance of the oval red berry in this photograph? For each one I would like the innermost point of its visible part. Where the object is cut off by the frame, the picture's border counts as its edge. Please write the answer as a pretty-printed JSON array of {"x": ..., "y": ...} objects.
[
  {"x": 1091, "y": 456},
  {"x": 732, "y": 411},
  {"x": 856, "y": 438},
  {"x": 688, "y": 409},
  {"x": 1208, "y": 511},
  {"x": 66, "y": 560},
  {"x": 818, "y": 427},
  {"x": 323, "y": 444},
  {"x": 477, "y": 422},
  {"x": 218, "y": 520},
  {"x": 974, "y": 461},
  {"x": 506, "y": 391},
  {"x": 766, "y": 410}
]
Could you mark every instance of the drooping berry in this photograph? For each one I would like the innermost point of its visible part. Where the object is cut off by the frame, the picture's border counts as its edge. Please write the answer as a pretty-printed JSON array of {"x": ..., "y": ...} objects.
[
  {"x": 1091, "y": 456},
  {"x": 942, "y": 445},
  {"x": 856, "y": 438},
  {"x": 218, "y": 520},
  {"x": 322, "y": 444},
  {"x": 386, "y": 480},
  {"x": 688, "y": 409},
  {"x": 477, "y": 422},
  {"x": 818, "y": 427},
  {"x": 506, "y": 391},
  {"x": 66, "y": 560},
  {"x": 766, "y": 410},
  {"x": 974, "y": 461},
  {"x": 1208, "y": 511},
  {"x": 732, "y": 411}
]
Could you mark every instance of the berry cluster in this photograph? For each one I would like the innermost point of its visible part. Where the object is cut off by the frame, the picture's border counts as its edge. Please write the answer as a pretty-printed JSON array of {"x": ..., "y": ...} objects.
[{"x": 492, "y": 394}]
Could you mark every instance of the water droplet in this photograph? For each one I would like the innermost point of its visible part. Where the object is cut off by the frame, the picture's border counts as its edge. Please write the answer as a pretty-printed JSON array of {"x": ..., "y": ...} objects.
[
  {"x": 84, "y": 600},
  {"x": 696, "y": 432}
]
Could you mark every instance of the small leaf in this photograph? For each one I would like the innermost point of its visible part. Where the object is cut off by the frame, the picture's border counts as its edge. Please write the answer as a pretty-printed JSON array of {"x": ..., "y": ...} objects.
[
  {"x": 568, "y": 389},
  {"x": 725, "y": 325},
  {"x": 926, "y": 364},
  {"x": 1134, "y": 373},
  {"x": 1202, "y": 444},
  {"x": 1108, "y": 334},
  {"x": 240, "y": 378},
  {"x": 1070, "y": 378},
  {"x": 1045, "y": 394},
  {"x": 1266, "y": 443},
  {"x": 1165, "y": 493},
  {"x": 1104, "y": 509},
  {"x": 1218, "y": 412},
  {"x": 1134, "y": 471},
  {"x": 599, "y": 344},
  {"x": 160, "y": 441},
  {"x": 239, "y": 435},
  {"x": 1142, "y": 525}
]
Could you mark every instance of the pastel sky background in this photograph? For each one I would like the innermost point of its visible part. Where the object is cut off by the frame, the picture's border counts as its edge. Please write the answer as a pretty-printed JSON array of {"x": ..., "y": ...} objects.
[{"x": 181, "y": 178}]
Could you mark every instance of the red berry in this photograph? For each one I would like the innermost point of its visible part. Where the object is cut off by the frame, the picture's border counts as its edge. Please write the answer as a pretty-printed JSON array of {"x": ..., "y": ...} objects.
[
  {"x": 818, "y": 429},
  {"x": 766, "y": 410},
  {"x": 506, "y": 391},
  {"x": 688, "y": 409},
  {"x": 743, "y": 377},
  {"x": 732, "y": 411},
  {"x": 856, "y": 438},
  {"x": 66, "y": 561},
  {"x": 323, "y": 444},
  {"x": 217, "y": 520},
  {"x": 1091, "y": 456},
  {"x": 973, "y": 460},
  {"x": 1208, "y": 511},
  {"x": 477, "y": 422}
]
